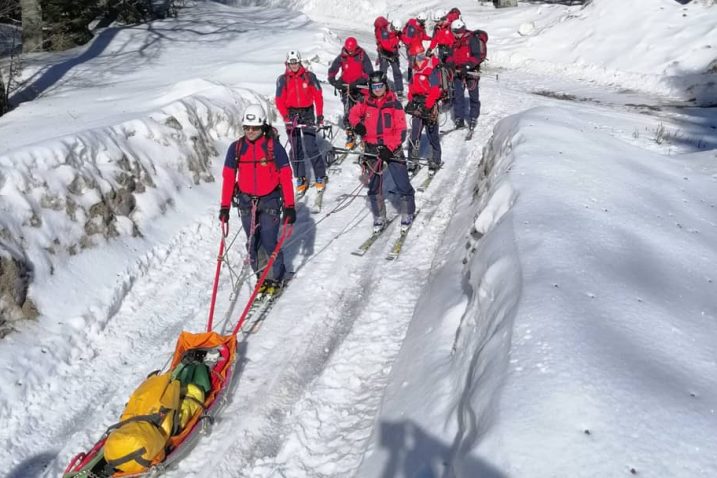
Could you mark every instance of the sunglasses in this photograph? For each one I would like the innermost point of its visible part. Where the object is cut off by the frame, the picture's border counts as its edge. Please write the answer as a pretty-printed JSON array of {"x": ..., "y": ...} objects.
[
  {"x": 420, "y": 57},
  {"x": 251, "y": 128},
  {"x": 377, "y": 86}
]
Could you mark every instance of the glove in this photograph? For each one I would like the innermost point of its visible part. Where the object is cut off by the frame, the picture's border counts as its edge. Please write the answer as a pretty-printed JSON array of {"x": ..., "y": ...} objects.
[
  {"x": 429, "y": 52},
  {"x": 289, "y": 214},
  {"x": 464, "y": 70},
  {"x": 384, "y": 153},
  {"x": 360, "y": 129},
  {"x": 320, "y": 120},
  {"x": 224, "y": 214}
]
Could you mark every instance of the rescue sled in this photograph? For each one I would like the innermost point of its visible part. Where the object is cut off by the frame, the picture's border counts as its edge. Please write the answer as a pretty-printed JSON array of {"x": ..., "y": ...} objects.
[{"x": 166, "y": 412}]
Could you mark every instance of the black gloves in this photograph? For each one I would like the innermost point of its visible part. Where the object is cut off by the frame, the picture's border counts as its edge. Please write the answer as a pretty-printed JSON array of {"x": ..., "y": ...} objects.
[
  {"x": 360, "y": 129},
  {"x": 289, "y": 214},
  {"x": 224, "y": 214},
  {"x": 464, "y": 70},
  {"x": 320, "y": 120},
  {"x": 429, "y": 52},
  {"x": 384, "y": 153}
]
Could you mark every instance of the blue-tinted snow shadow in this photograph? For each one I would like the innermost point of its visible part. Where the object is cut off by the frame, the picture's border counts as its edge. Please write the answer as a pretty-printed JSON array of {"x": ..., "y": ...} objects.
[
  {"x": 415, "y": 453},
  {"x": 46, "y": 79},
  {"x": 33, "y": 466}
]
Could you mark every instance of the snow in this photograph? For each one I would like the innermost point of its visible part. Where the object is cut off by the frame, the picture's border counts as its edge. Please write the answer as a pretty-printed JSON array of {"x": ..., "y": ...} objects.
[{"x": 553, "y": 312}]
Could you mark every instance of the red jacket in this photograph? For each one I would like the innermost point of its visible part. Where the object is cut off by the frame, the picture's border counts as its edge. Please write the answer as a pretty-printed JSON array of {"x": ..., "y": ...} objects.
[
  {"x": 414, "y": 33},
  {"x": 298, "y": 90},
  {"x": 466, "y": 50},
  {"x": 442, "y": 35},
  {"x": 388, "y": 39},
  {"x": 384, "y": 119},
  {"x": 249, "y": 167},
  {"x": 353, "y": 67},
  {"x": 426, "y": 82}
]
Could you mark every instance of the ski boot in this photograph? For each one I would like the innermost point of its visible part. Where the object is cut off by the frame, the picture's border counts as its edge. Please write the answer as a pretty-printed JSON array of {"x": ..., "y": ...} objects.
[
  {"x": 378, "y": 224},
  {"x": 301, "y": 186},
  {"x": 472, "y": 123},
  {"x": 270, "y": 288},
  {"x": 320, "y": 184},
  {"x": 434, "y": 167},
  {"x": 406, "y": 221},
  {"x": 460, "y": 123},
  {"x": 350, "y": 139}
]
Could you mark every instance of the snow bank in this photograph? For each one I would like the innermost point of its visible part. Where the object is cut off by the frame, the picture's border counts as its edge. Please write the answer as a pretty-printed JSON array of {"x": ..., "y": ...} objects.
[
  {"x": 63, "y": 196},
  {"x": 660, "y": 46},
  {"x": 612, "y": 356},
  {"x": 575, "y": 321}
]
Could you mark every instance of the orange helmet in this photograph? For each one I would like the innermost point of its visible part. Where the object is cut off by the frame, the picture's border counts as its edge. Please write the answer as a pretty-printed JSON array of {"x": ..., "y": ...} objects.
[{"x": 350, "y": 45}]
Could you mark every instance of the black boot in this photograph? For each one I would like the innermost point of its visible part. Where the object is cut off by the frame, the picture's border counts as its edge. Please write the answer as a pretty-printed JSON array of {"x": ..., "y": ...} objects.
[{"x": 460, "y": 123}]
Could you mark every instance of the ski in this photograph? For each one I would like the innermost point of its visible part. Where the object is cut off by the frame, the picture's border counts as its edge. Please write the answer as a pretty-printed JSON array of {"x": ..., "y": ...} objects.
[
  {"x": 298, "y": 196},
  {"x": 366, "y": 245},
  {"x": 398, "y": 243},
  {"x": 316, "y": 208},
  {"x": 260, "y": 309},
  {"x": 427, "y": 182}
]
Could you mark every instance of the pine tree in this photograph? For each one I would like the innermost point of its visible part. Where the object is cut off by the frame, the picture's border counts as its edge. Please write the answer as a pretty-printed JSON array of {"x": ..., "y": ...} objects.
[{"x": 67, "y": 22}]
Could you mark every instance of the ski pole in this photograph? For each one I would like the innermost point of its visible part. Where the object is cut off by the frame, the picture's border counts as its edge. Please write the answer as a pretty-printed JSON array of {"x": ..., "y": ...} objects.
[
  {"x": 286, "y": 233},
  {"x": 225, "y": 232},
  {"x": 372, "y": 155}
]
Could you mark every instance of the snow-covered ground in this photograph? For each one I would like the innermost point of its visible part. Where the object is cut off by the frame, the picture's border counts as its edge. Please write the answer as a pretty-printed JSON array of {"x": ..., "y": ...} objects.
[{"x": 553, "y": 313}]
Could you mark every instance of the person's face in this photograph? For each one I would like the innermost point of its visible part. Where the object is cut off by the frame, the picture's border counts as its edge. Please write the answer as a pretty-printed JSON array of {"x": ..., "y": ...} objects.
[
  {"x": 294, "y": 66},
  {"x": 378, "y": 89},
  {"x": 252, "y": 132}
]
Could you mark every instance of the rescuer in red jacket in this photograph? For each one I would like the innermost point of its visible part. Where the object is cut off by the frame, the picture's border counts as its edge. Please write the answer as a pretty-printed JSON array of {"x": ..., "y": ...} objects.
[
  {"x": 414, "y": 33},
  {"x": 381, "y": 121},
  {"x": 298, "y": 93},
  {"x": 388, "y": 41},
  {"x": 258, "y": 177},
  {"x": 423, "y": 94},
  {"x": 355, "y": 65}
]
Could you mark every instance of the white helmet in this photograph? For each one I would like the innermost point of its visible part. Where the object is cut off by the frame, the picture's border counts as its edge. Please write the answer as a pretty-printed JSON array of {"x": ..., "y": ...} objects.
[
  {"x": 439, "y": 14},
  {"x": 396, "y": 24},
  {"x": 422, "y": 17},
  {"x": 254, "y": 116},
  {"x": 293, "y": 56},
  {"x": 457, "y": 25}
]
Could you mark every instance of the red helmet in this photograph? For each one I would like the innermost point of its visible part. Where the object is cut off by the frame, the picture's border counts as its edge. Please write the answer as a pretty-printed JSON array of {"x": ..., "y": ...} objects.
[
  {"x": 415, "y": 49},
  {"x": 380, "y": 22},
  {"x": 350, "y": 45}
]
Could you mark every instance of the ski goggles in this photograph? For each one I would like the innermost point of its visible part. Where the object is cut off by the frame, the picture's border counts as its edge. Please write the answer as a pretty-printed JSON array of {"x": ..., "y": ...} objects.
[
  {"x": 293, "y": 62},
  {"x": 377, "y": 86}
]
